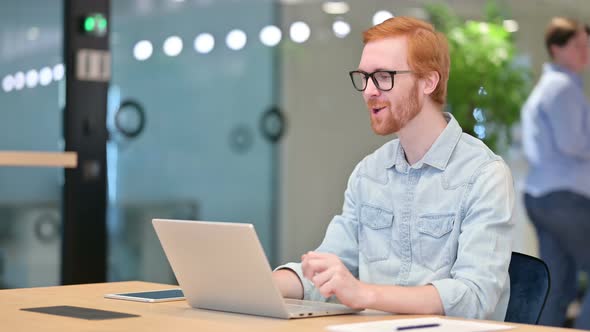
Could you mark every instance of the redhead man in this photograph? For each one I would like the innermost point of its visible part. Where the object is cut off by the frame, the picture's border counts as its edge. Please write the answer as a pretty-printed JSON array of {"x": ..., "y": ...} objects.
[{"x": 426, "y": 222}]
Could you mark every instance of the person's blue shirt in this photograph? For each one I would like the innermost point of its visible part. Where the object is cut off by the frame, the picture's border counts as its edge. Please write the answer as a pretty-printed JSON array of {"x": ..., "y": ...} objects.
[
  {"x": 445, "y": 221},
  {"x": 556, "y": 134}
]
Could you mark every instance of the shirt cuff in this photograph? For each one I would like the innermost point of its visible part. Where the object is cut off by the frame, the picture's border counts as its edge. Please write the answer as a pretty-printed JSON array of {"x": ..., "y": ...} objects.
[
  {"x": 310, "y": 293},
  {"x": 451, "y": 293}
]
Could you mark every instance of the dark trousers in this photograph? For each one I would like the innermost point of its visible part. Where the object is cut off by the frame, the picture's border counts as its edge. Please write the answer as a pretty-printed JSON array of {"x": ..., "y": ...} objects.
[{"x": 562, "y": 221}]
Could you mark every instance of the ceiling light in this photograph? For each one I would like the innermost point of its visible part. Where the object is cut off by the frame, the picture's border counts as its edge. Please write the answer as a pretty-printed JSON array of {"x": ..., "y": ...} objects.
[
  {"x": 341, "y": 29},
  {"x": 143, "y": 50},
  {"x": 335, "y": 7},
  {"x": 32, "y": 78},
  {"x": 381, "y": 16},
  {"x": 511, "y": 25},
  {"x": 236, "y": 39},
  {"x": 172, "y": 46},
  {"x": 299, "y": 32},
  {"x": 58, "y": 72},
  {"x": 270, "y": 35},
  {"x": 204, "y": 43},
  {"x": 45, "y": 76}
]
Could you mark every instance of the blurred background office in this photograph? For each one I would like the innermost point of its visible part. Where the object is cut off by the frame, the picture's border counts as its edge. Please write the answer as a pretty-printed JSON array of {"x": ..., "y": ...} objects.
[{"x": 234, "y": 110}]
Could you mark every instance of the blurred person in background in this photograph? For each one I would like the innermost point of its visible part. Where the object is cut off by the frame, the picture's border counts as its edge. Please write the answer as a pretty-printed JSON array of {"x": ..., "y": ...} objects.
[{"x": 556, "y": 139}]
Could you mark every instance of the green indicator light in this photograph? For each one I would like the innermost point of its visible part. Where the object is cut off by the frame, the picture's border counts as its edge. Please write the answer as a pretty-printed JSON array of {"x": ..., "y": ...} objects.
[
  {"x": 89, "y": 24},
  {"x": 102, "y": 23}
]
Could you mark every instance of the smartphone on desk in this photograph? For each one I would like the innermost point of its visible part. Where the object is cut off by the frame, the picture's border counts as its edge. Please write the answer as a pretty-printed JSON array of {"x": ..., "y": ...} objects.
[{"x": 164, "y": 295}]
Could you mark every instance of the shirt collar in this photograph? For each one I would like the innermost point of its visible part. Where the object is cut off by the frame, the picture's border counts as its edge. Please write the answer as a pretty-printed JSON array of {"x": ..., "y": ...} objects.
[
  {"x": 553, "y": 67},
  {"x": 440, "y": 152}
]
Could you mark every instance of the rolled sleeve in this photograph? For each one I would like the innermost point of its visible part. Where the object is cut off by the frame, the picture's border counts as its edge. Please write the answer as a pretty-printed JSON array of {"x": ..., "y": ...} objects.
[
  {"x": 479, "y": 283},
  {"x": 310, "y": 292},
  {"x": 452, "y": 292}
]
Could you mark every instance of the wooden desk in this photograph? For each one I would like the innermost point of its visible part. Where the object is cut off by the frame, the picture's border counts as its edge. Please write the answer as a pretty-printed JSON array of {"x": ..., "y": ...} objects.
[
  {"x": 39, "y": 159},
  {"x": 166, "y": 316}
]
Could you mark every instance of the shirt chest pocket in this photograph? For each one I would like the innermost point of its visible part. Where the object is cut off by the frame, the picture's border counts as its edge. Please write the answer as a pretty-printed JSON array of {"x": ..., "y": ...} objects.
[
  {"x": 434, "y": 239},
  {"x": 375, "y": 232}
]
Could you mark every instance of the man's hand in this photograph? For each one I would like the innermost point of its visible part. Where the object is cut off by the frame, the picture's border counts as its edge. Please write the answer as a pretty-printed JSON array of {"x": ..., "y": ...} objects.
[{"x": 331, "y": 277}]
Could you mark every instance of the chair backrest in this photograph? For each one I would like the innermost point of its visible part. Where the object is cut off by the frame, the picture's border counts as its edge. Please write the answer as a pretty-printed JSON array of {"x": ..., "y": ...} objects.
[{"x": 529, "y": 286}]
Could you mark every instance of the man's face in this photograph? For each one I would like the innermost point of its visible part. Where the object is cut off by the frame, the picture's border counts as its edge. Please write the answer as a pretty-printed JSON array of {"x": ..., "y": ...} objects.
[
  {"x": 390, "y": 110},
  {"x": 575, "y": 54}
]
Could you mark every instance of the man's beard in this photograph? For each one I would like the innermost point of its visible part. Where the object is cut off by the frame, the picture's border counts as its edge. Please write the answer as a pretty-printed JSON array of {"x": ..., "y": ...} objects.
[{"x": 408, "y": 108}]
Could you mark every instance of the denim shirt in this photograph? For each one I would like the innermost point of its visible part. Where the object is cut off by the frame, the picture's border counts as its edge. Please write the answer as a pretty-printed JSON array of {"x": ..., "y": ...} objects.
[
  {"x": 556, "y": 134},
  {"x": 445, "y": 221}
]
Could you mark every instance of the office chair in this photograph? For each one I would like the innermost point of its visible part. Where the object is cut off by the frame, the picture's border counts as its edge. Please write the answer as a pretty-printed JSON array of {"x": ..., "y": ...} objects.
[{"x": 529, "y": 287}]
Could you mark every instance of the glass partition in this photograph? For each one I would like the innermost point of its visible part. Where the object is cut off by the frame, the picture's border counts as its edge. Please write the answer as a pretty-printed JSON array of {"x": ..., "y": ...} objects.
[
  {"x": 191, "y": 84},
  {"x": 31, "y": 75}
]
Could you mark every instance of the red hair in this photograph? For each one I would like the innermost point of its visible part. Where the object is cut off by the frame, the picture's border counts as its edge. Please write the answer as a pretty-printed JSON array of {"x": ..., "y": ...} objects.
[{"x": 428, "y": 50}]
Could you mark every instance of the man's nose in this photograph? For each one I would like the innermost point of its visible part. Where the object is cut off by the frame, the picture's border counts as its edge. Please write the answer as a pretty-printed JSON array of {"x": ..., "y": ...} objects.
[{"x": 371, "y": 89}]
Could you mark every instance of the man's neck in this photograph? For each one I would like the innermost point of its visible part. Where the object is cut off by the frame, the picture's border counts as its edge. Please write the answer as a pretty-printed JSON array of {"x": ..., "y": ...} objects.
[
  {"x": 421, "y": 132},
  {"x": 567, "y": 66}
]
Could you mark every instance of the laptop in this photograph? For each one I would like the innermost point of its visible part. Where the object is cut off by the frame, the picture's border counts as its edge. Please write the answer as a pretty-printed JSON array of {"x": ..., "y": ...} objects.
[{"x": 222, "y": 266}]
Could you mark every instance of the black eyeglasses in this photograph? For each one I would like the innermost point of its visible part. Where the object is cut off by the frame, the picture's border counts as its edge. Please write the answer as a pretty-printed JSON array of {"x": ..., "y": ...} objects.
[{"x": 383, "y": 79}]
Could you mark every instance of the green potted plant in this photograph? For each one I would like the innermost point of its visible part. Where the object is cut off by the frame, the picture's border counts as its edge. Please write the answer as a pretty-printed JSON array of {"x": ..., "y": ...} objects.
[{"x": 486, "y": 87}]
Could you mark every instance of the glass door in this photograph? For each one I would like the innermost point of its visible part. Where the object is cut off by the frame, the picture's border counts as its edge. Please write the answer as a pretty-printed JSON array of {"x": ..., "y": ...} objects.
[{"x": 191, "y": 90}]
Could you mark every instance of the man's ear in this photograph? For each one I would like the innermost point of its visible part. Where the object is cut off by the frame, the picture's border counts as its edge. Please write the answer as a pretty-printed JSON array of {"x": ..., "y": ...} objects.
[{"x": 430, "y": 82}]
